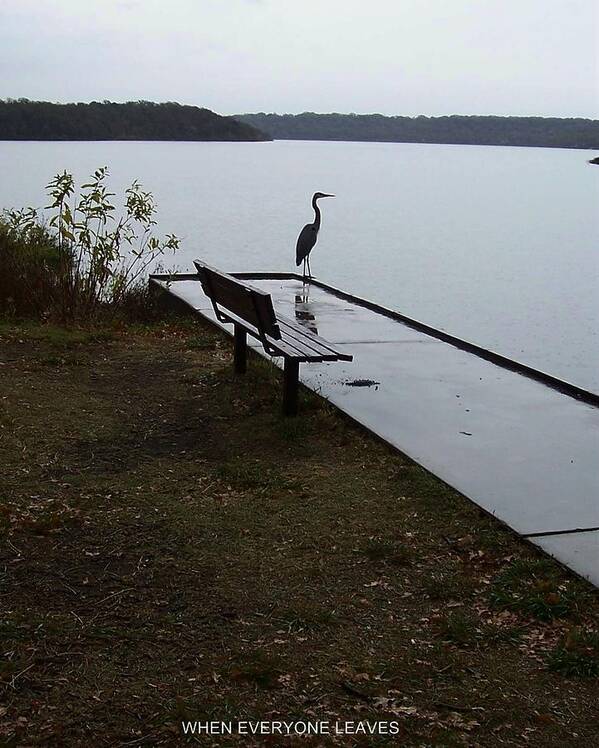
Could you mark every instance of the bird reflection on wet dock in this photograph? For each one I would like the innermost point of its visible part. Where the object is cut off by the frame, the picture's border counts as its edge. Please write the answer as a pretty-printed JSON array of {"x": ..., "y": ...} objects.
[{"x": 303, "y": 313}]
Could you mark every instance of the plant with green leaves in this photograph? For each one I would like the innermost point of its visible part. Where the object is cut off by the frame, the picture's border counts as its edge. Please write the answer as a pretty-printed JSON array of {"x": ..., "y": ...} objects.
[{"x": 99, "y": 259}]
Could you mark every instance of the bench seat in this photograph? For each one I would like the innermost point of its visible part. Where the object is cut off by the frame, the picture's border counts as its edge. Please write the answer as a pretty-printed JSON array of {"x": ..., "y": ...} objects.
[{"x": 296, "y": 342}]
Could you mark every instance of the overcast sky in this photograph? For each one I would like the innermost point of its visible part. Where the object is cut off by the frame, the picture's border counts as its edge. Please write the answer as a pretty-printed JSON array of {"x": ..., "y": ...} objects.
[{"x": 391, "y": 56}]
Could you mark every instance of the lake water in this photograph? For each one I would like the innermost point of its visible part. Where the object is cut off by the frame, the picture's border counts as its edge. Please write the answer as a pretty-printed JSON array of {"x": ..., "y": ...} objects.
[{"x": 499, "y": 246}]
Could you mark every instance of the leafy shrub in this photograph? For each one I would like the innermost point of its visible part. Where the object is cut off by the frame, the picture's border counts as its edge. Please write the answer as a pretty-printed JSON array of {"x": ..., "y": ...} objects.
[
  {"x": 84, "y": 260},
  {"x": 29, "y": 284}
]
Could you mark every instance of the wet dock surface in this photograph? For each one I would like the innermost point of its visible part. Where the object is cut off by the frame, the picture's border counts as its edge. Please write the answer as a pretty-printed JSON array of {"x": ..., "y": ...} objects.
[{"x": 523, "y": 451}]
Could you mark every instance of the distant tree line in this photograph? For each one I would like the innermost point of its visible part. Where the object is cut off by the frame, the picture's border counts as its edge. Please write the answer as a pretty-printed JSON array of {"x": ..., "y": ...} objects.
[
  {"x": 22, "y": 119},
  {"x": 549, "y": 132}
]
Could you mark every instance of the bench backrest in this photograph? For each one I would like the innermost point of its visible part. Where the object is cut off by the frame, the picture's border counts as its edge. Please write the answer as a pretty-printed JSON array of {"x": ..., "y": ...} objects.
[{"x": 240, "y": 299}]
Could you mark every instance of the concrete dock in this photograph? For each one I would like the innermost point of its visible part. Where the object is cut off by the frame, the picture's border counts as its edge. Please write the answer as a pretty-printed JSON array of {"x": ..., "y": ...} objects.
[{"x": 524, "y": 451}]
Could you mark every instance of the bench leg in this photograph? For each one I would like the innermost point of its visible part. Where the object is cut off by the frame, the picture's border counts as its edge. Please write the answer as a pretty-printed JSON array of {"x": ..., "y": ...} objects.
[
  {"x": 240, "y": 355},
  {"x": 290, "y": 387}
]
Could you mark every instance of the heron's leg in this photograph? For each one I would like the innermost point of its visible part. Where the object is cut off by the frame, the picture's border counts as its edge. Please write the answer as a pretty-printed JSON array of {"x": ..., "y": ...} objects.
[
  {"x": 304, "y": 271},
  {"x": 309, "y": 269}
]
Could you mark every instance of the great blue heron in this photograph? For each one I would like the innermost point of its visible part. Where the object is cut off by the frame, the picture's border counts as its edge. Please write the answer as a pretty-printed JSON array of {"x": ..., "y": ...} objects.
[{"x": 308, "y": 236}]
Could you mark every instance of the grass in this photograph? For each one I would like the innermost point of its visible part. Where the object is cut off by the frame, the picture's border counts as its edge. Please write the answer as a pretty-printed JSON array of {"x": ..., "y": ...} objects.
[
  {"x": 259, "y": 669},
  {"x": 172, "y": 548},
  {"x": 387, "y": 552},
  {"x": 459, "y": 627},
  {"x": 447, "y": 584},
  {"x": 577, "y": 654},
  {"x": 244, "y": 473},
  {"x": 536, "y": 587},
  {"x": 306, "y": 616}
]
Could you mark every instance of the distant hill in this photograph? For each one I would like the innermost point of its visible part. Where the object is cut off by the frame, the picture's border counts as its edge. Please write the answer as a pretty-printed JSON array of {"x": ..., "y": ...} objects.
[
  {"x": 136, "y": 120},
  {"x": 548, "y": 132}
]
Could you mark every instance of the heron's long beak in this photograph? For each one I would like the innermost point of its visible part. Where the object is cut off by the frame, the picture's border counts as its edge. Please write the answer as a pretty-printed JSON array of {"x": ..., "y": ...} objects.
[{"x": 325, "y": 195}]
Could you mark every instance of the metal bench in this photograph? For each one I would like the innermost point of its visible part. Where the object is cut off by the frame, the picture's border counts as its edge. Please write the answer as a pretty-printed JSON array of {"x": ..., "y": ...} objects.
[{"x": 251, "y": 312}]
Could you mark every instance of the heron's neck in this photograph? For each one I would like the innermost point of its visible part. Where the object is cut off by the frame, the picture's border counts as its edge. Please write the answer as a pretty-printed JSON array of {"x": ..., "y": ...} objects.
[{"x": 316, "y": 214}]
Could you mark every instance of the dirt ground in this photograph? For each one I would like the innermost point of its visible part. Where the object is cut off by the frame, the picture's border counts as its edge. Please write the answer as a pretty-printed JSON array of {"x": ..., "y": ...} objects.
[{"x": 173, "y": 549}]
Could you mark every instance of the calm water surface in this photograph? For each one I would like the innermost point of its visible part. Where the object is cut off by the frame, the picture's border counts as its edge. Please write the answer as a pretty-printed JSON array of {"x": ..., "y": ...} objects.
[{"x": 499, "y": 246}]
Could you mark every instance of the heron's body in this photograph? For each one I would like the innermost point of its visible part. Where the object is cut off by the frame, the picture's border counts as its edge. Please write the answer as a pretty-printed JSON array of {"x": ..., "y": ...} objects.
[
  {"x": 305, "y": 242},
  {"x": 308, "y": 235}
]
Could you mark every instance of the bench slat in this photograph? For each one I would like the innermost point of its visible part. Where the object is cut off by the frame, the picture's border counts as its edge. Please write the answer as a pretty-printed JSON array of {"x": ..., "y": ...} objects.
[
  {"x": 308, "y": 353},
  {"x": 291, "y": 349},
  {"x": 302, "y": 343},
  {"x": 315, "y": 341},
  {"x": 284, "y": 345}
]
